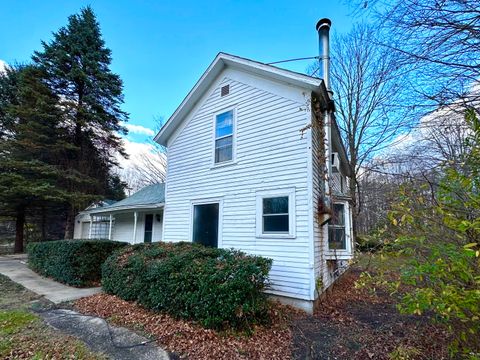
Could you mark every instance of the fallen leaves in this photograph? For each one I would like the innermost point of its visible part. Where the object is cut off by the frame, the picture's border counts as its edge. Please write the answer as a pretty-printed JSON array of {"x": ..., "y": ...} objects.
[
  {"x": 190, "y": 340},
  {"x": 352, "y": 323}
]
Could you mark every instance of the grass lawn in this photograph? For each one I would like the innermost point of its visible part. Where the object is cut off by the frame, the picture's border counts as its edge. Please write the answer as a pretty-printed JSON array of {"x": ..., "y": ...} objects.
[{"x": 23, "y": 335}]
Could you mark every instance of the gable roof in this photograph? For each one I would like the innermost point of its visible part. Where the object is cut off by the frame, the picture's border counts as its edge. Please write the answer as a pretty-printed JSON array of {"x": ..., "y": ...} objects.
[
  {"x": 146, "y": 198},
  {"x": 222, "y": 61}
]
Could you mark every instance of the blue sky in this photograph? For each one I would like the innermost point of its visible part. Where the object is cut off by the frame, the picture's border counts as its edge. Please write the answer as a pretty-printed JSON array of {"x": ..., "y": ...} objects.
[{"x": 161, "y": 48}]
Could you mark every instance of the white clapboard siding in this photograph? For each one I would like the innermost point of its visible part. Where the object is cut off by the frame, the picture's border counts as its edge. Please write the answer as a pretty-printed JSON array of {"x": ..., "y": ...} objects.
[{"x": 271, "y": 154}]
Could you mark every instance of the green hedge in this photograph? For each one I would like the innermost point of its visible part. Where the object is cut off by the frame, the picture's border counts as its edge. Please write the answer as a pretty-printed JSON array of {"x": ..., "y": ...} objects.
[
  {"x": 73, "y": 262},
  {"x": 217, "y": 287}
]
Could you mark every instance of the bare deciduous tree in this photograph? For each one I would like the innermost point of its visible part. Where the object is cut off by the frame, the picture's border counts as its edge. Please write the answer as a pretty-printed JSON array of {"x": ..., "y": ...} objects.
[
  {"x": 151, "y": 167},
  {"x": 370, "y": 98},
  {"x": 148, "y": 167},
  {"x": 439, "y": 39}
]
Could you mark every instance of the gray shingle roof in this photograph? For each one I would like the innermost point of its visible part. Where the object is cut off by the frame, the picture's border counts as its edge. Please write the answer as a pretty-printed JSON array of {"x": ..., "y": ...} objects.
[{"x": 149, "y": 196}]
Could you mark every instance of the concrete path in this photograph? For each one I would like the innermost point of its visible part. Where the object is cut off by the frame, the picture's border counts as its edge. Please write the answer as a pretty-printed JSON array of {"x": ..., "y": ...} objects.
[
  {"x": 15, "y": 267},
  {"x": 116, "y": 342}
]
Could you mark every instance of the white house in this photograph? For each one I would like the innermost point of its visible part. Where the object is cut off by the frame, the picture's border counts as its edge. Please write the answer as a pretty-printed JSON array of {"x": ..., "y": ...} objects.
[
  {"x": 136, "y": 219},
  {"x": 255, "y": 162}
]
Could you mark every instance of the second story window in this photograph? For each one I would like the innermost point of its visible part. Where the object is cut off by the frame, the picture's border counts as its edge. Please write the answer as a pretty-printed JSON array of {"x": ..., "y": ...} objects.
[{"x": 224, "y": 137}]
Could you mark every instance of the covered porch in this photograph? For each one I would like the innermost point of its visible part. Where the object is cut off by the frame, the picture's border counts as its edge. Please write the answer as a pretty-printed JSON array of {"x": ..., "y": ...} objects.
[{"x": 136, "y": 219}]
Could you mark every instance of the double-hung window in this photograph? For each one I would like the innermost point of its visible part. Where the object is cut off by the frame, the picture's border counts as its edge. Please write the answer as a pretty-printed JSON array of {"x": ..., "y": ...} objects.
[
  {"x": 336, "y": 228},
  {"x": 224, "y": 137},
  {"x": 276, "y": 213}
]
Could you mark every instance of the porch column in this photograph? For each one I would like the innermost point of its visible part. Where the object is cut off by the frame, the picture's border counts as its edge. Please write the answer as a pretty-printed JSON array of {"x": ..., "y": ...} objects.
[
  {"x": 90, "y": 228},
  {"x": 135, "y": 227},
  {"x": 110, "y": 229}
]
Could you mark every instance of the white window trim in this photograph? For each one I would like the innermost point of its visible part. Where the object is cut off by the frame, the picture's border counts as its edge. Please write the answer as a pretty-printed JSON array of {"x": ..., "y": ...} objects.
[
  {"x": 260, "y": 195},
  {"x": 342, "y": 253},
  {"x": 207, "y": 201},
  {"x": 233, "y": 109}
]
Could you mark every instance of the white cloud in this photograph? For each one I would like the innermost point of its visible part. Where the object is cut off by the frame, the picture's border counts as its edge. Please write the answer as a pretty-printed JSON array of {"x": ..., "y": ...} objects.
[
  {"x": 139, "y": 129},
  {"x": 3, "y": 66}
]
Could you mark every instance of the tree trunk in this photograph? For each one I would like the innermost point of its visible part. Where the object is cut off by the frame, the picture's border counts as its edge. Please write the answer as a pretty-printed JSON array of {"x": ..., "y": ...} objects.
[
  {"x": 355, "y": 207},
  {"x": 70, "y": 223},
  {"x": 19, "y": 230}
]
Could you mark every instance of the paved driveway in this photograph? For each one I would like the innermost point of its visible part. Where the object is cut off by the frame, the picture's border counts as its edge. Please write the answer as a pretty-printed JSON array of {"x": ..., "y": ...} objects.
[{"x": 15, "y": 267}]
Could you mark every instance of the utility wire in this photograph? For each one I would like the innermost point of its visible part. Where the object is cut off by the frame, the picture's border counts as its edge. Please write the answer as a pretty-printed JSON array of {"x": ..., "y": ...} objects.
[
  {"x": 317, "y": 69},
  {"x": 386, "y": 79},
  {"x": 296, "y": 59}
]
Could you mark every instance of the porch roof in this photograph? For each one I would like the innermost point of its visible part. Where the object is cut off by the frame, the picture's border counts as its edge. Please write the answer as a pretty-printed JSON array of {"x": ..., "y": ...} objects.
[{"x": 150, "y": 197}]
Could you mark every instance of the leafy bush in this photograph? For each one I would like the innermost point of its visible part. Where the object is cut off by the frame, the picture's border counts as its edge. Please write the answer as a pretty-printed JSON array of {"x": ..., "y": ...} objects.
[
  {"x": 437, "y": 230},
  {"x": 73, "y": 262},
  {"x": 369, "y": 243},
  {"x": 219, "y": 288}
]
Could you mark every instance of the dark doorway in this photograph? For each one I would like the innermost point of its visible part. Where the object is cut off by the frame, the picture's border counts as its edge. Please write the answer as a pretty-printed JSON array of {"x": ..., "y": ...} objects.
[
  {"x": 148, "y": 228},
  {"x": 205, "y": 224}
]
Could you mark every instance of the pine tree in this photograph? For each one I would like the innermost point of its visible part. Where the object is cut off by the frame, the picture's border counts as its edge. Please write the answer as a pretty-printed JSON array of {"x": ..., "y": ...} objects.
[
  {"x": 8, "y": 84},
  {"x": 76, "y": 63},
  {"x": 29, "y": 151}
]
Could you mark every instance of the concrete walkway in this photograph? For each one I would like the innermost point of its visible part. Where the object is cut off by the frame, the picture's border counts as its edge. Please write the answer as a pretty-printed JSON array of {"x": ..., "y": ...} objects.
[
  {"x": 116, "y": 342},
  {"x": 15, "y": 267}
]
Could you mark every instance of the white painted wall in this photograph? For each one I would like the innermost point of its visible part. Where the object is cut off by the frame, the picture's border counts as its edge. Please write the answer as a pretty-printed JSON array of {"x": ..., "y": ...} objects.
[
  {"x": 271, "y": 154},
  {"x": 82, "y": 226},
  {"x": 123, "y": 229}
]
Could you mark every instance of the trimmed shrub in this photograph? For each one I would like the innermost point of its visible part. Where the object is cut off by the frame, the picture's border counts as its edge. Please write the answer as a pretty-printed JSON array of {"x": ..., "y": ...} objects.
[
  {"x": 73, "y": 262},
  {"x": 217, "y": 287}
]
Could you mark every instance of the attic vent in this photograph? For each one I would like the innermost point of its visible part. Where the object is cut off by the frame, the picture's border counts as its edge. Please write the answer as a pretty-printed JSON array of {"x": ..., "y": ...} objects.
[{"x": 225, "y": 90}]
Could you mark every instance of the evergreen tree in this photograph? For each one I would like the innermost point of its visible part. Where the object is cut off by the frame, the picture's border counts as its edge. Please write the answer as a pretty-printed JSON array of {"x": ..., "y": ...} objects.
[
  {"x": 116, "y": 188},
  {"x": 29, "y": 174},
  {"x": 8, "y": 85},
  {"x": 76, "y": 63}
]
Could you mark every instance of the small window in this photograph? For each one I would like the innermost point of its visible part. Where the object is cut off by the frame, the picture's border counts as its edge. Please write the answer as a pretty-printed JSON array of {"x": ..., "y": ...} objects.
[
  {"x": 100, "y": 227},
  {"x": 336, "y": 229},
  {"x": 276, "y": 213},
  {"x": 335, "y": 162},
  {"x": 224, "y": 137}
]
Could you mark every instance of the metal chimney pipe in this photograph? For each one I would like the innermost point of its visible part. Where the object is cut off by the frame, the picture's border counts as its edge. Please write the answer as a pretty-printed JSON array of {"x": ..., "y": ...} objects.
[{"x": 323, "y": 29}]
